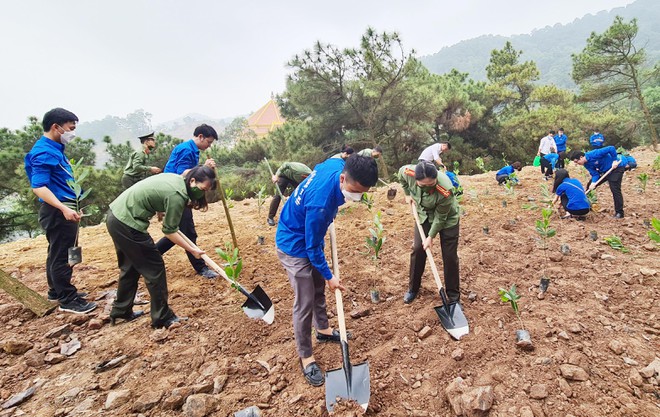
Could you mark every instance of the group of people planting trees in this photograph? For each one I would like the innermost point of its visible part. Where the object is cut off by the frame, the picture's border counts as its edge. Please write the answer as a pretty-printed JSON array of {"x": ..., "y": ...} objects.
[
  {"x": 602, "y": 162},
  {"x": 174, "y": 192}
]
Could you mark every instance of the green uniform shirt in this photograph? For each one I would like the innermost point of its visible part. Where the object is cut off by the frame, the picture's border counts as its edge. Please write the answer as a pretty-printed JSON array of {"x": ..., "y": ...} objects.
[
  {"x": 439, "y": 207},
  {"x": 366, "y": 152},
  {"x": 137, "y": 205},
  {"x": 137, "y": 165},
  {"x": 294, "y": 171}
]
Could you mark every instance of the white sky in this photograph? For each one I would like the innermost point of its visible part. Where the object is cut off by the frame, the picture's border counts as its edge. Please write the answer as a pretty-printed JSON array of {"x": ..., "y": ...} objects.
[{"x": 218, "y": 58}]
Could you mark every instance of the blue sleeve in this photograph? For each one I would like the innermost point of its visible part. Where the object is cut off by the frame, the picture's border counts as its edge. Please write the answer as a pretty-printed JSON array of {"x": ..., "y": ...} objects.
[
  {"x": 595, "y": 175},
  {"x": 186, "y": 161},
  {"x": 560, "y": 190},
  {"x": 315, "y": 230},
  {"x": 42, "y": 166}
]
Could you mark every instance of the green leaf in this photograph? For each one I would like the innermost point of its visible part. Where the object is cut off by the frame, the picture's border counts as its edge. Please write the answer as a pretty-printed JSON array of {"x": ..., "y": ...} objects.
[
  {"x": 229, "y": 271},
  {"x": 85, "y": 194},
  {"x": 238, "y": 269}
]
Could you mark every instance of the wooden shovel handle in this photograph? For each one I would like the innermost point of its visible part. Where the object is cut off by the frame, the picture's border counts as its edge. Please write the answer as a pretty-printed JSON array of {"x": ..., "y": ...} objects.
[
  {"x": 603, "y": 177},
  {"x": 335, "y": 267},
  {"x": 429, "y": 255},
  {"x": 210, "y": 262}
]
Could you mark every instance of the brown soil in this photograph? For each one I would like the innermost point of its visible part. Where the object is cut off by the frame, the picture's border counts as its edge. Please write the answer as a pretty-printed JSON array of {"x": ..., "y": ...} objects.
[{"x": 590, "y": 302}]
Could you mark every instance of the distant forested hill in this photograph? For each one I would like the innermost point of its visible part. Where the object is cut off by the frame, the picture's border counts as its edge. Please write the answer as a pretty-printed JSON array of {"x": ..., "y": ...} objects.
[{"x": 552, "y": 46}]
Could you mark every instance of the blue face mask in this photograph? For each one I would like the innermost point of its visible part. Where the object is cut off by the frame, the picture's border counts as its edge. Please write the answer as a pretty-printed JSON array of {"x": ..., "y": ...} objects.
[{"x": 196, "y": 193}]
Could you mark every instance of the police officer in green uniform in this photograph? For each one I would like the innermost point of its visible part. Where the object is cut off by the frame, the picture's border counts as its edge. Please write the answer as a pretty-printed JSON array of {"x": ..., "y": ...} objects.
[
  {"x": 438, "y": 211},
  {"x": 372, "y": 153},
  {"x": 138, "y": 167},
  {"x": 127, "y": 223},
  {"x": 289, "y": 173}
]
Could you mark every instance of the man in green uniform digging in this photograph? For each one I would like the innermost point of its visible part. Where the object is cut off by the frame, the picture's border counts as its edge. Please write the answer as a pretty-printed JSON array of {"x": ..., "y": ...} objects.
[
  {"x": 138, "y": 167},
  {"x": 289, "y": 173}
]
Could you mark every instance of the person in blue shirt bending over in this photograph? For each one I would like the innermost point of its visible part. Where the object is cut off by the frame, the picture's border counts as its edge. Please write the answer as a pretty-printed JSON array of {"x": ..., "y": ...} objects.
[
  {"x": 572, "y": 195},
  {"x": 627, "y": 162},
  {"x": 503, "y": 175},
  {"x": 598, "y": 162},
  {"x": 596, "y": 140},
  {"x": 560, "y": 141},
  {"x": 304, "y": 221},
  {"x": 458, "y": 190},
  {"x": 48, "y": 170},
  {"x": 552, "y": 159},
  {"x": 184, "y": 157}
]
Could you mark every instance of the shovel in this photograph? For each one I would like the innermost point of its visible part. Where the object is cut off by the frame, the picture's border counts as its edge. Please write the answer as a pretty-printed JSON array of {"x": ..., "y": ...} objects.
[
  {"x": 593, "y": 186},
  {"x": 276, "y": 186},
  {"x": 257, "y": 306},
  {"x": 451, "y": 315},
  {"x": 351, "y": 381},
  {"x": 221, "y": 191}
]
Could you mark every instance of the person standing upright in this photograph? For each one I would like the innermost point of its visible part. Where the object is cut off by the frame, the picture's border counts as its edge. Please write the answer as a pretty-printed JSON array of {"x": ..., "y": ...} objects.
[
  {"x": 137, "y": 167},
  {"x": 304, "y": 221},
  {"x": 48, "y": 170},
  {"x": 560, "y": 143},
  {"x": 184, "y": 157},
  {"x": 546, "y": 146},
  {"x": 597, "y": 140}
]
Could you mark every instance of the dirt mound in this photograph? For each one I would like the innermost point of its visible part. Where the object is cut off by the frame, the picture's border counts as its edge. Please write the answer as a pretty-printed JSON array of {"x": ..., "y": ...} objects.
[{"x": 594, "y": 334}]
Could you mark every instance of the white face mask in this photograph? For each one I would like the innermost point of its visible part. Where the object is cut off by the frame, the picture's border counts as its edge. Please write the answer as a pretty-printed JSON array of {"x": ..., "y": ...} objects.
[
  {"x": 349, "y": 196},
  {"x": 67, "y": 137}
]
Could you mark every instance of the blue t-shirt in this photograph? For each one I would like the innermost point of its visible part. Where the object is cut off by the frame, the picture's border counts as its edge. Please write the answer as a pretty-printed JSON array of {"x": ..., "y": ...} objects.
[
  {"x": 596, "y": 140},
  {"x": 627, "y": 161},
  {"x": 577, "y": 198},
  {"x": 453, "y": 178},
  {"x": 599, "y": 161},
  {"x": 184, "y": 156},
  {"x": 507, "y": 170},
  {"x": 560, "y": 141},
  {"x": 552, "y": 158},
  {"x": 307, "y": 214},
  {"x": 47, "y": 166}
]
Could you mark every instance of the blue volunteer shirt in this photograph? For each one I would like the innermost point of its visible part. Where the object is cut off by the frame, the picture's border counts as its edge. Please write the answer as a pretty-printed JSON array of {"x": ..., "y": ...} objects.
[
  {"x": 47, "y": 166},
  {"x": 560, "y": 141},
  {"x": 453, "y": 178},
  {"x": 184, "y": 156},
  {"x": 552, "y": 158},
  {"x": 596, "y": 140},
  {"x": 599, "y": 161},
  {"x": 307, "y": 214},
  {"x": 577, "y": 198},
  {"x": 507, "y": 170},
  {"x": 627, "y": 161}
]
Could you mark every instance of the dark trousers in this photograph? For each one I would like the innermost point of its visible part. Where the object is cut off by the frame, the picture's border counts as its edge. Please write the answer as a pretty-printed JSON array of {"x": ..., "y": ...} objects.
[
  {"x": 564, "y": 203},
  {"x": 501, "y": 179},
  {"x": 187, "y": 227},
  {"x": 309, "y": 303},
  {"x": 137, "y": 255},
  {"x": 127, "y": 181},
  {"x": 560, "y": 161},
  {"x": 61, "y": 235},
  {"x": 614, "y": 179},
  {"x": 282, "y": 184},
  {"x": 449, "y": 246},
  {"x": 546, "y": 166}
]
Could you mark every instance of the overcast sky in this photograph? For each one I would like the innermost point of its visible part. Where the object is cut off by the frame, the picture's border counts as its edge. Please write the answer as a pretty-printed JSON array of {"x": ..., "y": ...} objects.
[{"x": 218, "y": 58}]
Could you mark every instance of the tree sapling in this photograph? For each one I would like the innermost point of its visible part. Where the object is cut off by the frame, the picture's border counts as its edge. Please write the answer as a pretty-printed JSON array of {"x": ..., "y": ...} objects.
[
  {"x": 233, "y": 263},
  {"x": 545, "y": 232},
  {"x": 523, "y": 338},
  {"x": 79, "y": 174},
  {"x": 375, "y": 244}
]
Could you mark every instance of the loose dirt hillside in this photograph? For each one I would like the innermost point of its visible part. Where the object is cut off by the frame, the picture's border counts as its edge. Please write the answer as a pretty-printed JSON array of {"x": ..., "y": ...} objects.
[{"x": 597, "y": 329}]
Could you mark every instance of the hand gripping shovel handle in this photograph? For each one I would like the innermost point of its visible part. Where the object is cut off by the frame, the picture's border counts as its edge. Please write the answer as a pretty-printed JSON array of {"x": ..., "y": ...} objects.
[
  {"x": 335, "y": 267},
  {"x": 429, "y": 255},
  {"x": 211, "y": 263},
  {"x": 603, "y": 177},
  {"x": 271, "y": 174}
]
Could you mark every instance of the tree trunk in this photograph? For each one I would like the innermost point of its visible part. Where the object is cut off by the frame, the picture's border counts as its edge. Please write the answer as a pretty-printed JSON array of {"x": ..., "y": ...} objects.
[
  {"x": 645, "y": 109},
  {"x": 29, "y": 298}
]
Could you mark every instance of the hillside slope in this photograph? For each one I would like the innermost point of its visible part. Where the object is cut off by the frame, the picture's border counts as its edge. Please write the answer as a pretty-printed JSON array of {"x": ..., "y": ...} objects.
[{"x": 600, "y": 314}]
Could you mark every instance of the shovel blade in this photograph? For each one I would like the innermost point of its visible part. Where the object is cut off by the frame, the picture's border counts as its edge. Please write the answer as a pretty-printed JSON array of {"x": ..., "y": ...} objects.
[
  {"x": 454, "y": 320},
  {"x": 353, "y": 385},
  {"x": 259, "y": 306}
]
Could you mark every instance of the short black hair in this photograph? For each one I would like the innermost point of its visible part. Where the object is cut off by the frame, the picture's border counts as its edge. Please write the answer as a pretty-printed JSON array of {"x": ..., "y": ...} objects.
[
  {"x": 425, "y": 169},
  {"x": 206, "y": 131},
  {"x": 378, "y": 149},
  {"x": 448, "y": 144},
  {"x": 57, "y": 116},
  {"x": 201, "y": 173},
  {"x": 575, "y": 155},
  {"x": 517, "y": 165},
  {"x": 552, "y": 132},
  {"x": 561, "y": 128},
  {"x": 347, "y": 149},
  {"x": 362, "y": 169}
]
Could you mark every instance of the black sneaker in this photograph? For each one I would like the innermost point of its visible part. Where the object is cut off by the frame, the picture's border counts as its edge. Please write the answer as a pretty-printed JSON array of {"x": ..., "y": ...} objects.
[
  {"x": 208, "y": 273},
  {"x": 53, "y": 297},
  {"x": 77, "y": 306},
  {"x": 334, "y": 337},
  {"x": 313, "y": 374},
  {"x": 169, "y": 322},
  {"x": 409, "y": 296},
  {"x": 270, "y": 222},
  {"x": 618, "y": 216}
]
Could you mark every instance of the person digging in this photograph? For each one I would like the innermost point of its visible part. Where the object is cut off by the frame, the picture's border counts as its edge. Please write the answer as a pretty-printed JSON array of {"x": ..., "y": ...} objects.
[
  {"x": 303, "y": 224},
  {"x": 433, "y": 195},
  {"x": 288, "y": 174}
]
